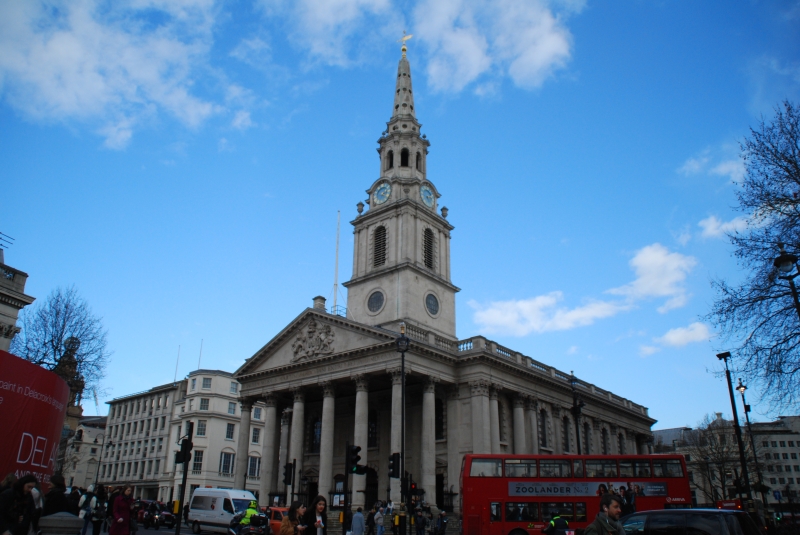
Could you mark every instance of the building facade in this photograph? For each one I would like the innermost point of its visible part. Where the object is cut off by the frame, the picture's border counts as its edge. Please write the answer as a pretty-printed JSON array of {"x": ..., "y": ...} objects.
[
  {"x": 327, "y": 379},
  {"x": 81, "y": 466},
  {"x": 12, "y": 300}
]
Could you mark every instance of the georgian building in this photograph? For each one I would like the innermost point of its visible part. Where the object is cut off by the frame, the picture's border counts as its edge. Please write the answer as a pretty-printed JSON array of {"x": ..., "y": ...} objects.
[
  {"x": 83, "y": 449},
  {"x": 327, "y": 379}
]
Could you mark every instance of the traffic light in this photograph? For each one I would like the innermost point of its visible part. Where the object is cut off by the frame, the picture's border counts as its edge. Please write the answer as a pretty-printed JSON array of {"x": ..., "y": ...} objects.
[
  {"x": 288, "y": 473},
  {"x": 185, "y": 454},
  {"x": 352, "y": 460},
  {"x": 413, "y": 488},
  {"x": 394, "y": 465}
]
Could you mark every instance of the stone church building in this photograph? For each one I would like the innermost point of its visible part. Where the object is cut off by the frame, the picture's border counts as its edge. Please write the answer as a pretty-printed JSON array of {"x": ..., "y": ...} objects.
[{"x": 328, "y": 379}]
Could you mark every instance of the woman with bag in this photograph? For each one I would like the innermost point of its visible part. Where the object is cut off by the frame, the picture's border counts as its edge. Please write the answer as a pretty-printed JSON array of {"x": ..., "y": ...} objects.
[
  {"x": 292, "y": 521},
  {"x": 121, "y": 513}
]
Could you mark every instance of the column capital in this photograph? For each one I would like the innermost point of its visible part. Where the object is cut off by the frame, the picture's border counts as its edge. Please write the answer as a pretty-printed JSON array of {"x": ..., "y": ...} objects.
[
  {"x": 328, "y": 389},
  {"x": 533, "y": 403},
  {"x": 494, "y": 391},
  {"x": 299, "y": 395},
  {"x": 246, "y": 403},
  {"x": 270, "y": 400},
  {"x": 453, "y": 391},
  {"x": 479, "y": 388},
  {"x": 520, "y": 400},
  {"x": 397, "y": 376},
  {"x": 430, "y": 384},
  {"x": 362, "y": 383}
]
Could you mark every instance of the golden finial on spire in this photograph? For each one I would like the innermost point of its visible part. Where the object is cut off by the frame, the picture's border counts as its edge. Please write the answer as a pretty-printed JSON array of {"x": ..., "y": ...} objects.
[{"x": 403, "y": 40}]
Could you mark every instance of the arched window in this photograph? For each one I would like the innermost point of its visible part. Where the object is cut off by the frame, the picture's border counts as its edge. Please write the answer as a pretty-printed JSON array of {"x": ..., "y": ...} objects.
[
  {"x": 604, "y": 435},
  {"x": 404, "y": 158},
  {"x": 389, "y": 159},
  {"x": 586, "y": 430},
  {"x": 379, "y": 257},
  {"x": 427, "y": 248},
  {"x": 79, "y": 435},
  {"x": 419, "y": 161},
  {"x": 543, "y": 428},
  {"x": 439, "y": 419},
  {"x": 621, "y": 443},
  {"x": 565, "y": 433}
]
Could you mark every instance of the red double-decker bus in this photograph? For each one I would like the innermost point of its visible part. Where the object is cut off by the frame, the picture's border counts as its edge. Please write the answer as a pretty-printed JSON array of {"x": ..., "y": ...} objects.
[{"x": 516, "y": 494}]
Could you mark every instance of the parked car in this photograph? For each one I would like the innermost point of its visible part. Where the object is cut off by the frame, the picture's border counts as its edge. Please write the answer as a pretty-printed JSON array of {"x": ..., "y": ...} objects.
[
  {"x": 690, "y": 522},
  {"x": 275, "y": 515}
]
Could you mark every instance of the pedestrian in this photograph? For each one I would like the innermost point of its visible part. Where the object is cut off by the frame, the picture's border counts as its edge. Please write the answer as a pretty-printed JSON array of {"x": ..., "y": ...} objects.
[
  {"x": 99, "y": 514},
  {"x": 74, "y": 498},
  {"x": 291, "y": 523},
  {"x": 607, "y": 520},
  {"x": 357, "y": 525},
  {"x": 86, "y": 507},
  {"x": 121, "y": 513},
  {"x": 56, "y": 501},
  {"x": 8, "y": 482},
  {"x": 371, "y": 522},
  {"x": 441, "y": 523},
  {"x": 16, "y": 507},
  {"x": 420, "y": 522},
  {"x": 557, "y": 525},
  {"x": 186, "y": 514},
  {"x": 379, "y": 521},
  {"x": 316, "y": 517},
  {"x": 38, "y": 506}
]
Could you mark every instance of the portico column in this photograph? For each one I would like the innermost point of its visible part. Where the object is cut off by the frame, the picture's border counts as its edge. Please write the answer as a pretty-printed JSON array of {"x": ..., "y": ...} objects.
[
  {"x": 428, "y": 446},
  {"x": 326, "y": 439},
  {"x": 533, "y": 419},
  {"x": 495, "y": 419},
  {"x": 268, "y": 450},
  {"x": 283, "y": 451},
  {"x": 361, "y": 436},
  {"x": 519, "y": 425},
  {"x": 558, "y": 435},
  {"x": 453, "y": 439},
  {"x": 296, "y": 441},
  {"x": 242, "y": 447},
  {"x": 479, "y": 398},
  {"x": 396, "y": 437}
]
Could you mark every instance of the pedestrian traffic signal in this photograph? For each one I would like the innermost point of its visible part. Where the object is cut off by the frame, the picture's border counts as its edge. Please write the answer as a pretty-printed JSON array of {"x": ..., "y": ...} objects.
[
  {"x": 185, "y": 454},
  {"x": 353, "y": 458},
  {"x": 288, "y": 473},
  {"x": 394, "y": 465}
]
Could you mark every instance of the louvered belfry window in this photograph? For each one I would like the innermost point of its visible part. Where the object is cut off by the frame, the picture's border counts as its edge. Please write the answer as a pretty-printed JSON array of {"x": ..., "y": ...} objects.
[
  {"x": 427, "y": 246},
  {"x": 380, "y": 247}
]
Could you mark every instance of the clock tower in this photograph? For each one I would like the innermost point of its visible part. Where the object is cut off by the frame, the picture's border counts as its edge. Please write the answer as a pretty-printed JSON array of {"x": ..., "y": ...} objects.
[{"x": 401, "y": 259}]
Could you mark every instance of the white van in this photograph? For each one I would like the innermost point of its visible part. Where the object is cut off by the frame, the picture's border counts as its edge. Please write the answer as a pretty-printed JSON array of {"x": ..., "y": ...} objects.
[{"x": 213, "y": 509}]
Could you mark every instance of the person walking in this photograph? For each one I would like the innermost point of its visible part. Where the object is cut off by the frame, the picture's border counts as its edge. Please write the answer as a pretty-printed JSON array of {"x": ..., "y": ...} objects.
[
  {"x": 557, "y": 525},
  {"x": 121, "y": 513},
  {"x": 371, "y": 522},
  {"x": 99, "y": 514},
  {"x": 316, "y": 517},
  {"x": 379, "y": 521},
  {"x": 291, "y": 523},
  {"x": 420, "y": 522},
  {"x": 357, "y": 525},
  {"x": 86, "y": 506},
  {"x": 16, "y": 507},
  {"x": 56, "y": 501},
  {"x": 607, "y": 520}
]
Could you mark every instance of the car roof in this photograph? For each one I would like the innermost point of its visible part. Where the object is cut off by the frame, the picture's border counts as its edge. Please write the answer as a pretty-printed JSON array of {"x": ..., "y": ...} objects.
[{"x": 691, "y": 511}]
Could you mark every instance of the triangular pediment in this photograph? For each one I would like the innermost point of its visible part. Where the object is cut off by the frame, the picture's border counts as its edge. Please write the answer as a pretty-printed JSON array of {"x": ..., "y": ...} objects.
[{"x": 313, "y": 335}]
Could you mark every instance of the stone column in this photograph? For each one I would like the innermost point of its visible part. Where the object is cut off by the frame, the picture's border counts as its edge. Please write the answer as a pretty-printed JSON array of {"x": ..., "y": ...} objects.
[
  {"x": 519, "y": 425},
  {"x": 558, "y": 434},
  {"x": 397, "y": 409},
  {"x": 242, "y": 447},
  {"x": 296, "y": 441},
  {"x": 479, "y": 392},
  {"x": 268, "y": 450},
  {"x": 283, "y": 451},
  {"x": 533, "y": 419},
  {"x": 428, "y": 446},
  {"x": 453, "y": 423},
  {"x": 326, "y": 440},
  {"x": 494, "y": 407},
  {"x": 361, "y": 436}
]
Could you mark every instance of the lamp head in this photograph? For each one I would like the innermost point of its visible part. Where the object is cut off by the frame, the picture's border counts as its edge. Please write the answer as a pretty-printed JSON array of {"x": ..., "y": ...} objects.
[
  {"x": 402, "y": 342},
  {"x": 785, "y": 262},
  {"x": 723, "y": 356},
  {"x": 740, "y": 387}
]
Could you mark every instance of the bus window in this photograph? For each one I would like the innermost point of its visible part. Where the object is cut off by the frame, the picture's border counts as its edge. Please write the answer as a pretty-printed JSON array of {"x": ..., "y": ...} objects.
[
  {"x": 626, "y": 468},
  {"x": 494, "y": 512},
  {"x": 522, "y": 512},
  {"x": 577, "y": 468},
  {"x": 642, "y": 469},
  {"x": 486, "y": 468},
  {"x": 563, "y": 509},
  {"x": 668, "y": 468},
  {"x": 598, "y": 468},
  {"x": 517, "y": 468},
  {"x": 580, "y": 511},
  {"x": 554, "y": 468}
]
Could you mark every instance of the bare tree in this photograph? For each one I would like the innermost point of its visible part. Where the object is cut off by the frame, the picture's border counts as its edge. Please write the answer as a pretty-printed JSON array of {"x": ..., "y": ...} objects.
[
  {"x": 757, "y": 317},
  {"x": 63, "y": 325}
]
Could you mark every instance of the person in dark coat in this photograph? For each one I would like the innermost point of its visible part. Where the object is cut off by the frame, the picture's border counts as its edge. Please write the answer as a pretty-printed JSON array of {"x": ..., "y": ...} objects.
[
  {"x": 121, "y": 513},
  {"x": 16, "y": 507},
  {"x": 56, "y": 501},
  {"x": 8, "y": 482},
  {"x": 607, "y": 520},
  {"x": 316, "y": 517}
]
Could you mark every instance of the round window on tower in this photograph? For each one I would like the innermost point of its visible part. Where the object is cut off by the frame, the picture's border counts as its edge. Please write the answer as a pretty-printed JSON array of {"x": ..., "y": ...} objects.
[
  {"x": 432, "y": 304},
  {"x": 375, "y": 302}
]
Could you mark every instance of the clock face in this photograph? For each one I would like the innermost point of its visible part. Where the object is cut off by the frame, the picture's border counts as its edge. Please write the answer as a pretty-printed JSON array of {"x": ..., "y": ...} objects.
[
  {"x": 427, "y": 196},
  {"x": 383, "y": 192}
]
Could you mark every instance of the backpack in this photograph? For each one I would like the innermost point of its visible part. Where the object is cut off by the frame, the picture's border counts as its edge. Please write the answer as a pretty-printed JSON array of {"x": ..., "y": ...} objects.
[{"x": 87, "y": 502}]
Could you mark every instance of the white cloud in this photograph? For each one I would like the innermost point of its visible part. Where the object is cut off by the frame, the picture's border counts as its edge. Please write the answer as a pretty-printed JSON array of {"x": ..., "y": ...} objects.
[
  {"x": 730, "y": 168},
  {"x": 648, "y": 350},
  {"x": 572, "y": 350},
  {"x": 681, "y": 336},
  {"x": 694, "y": 165},
  {"x": 715, "y": 228},
  {"x": 659, "y": 273},
  {"x": 111, "y": 63},
  {"x": 540, "y": 314},
  {"x": 242, "y": 120}
]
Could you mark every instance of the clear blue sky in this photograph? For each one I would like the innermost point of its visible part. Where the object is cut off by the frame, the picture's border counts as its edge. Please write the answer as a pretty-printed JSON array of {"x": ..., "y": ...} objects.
[{"x": 182, "y": 163}]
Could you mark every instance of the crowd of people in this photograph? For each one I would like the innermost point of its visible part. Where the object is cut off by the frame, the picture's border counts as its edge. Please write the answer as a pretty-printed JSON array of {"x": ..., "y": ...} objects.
[
  {"x": 627, "y": 495},
  {"x": 23, "y": 503}
]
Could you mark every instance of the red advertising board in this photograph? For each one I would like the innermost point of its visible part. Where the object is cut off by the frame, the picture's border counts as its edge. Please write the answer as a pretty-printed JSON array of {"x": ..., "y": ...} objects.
[{"x": 33, "y": 403}]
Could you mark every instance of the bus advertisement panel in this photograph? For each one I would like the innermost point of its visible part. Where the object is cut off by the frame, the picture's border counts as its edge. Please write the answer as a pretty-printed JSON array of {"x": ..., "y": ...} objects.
[{"x": 518, "y": 494}]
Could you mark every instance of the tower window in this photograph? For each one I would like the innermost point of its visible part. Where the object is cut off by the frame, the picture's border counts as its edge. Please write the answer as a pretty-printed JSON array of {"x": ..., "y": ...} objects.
[
  {"x": 380, "y": 247},
  {"x": 389, "y": 159},
  {"x": 404, "y": 158},
  {"x": 419, "y": 162},
  {"x": 427, "y": 248}
]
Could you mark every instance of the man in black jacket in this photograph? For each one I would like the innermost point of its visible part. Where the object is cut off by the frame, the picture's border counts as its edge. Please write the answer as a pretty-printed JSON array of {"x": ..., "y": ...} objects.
[
  {"x": 56, "y": 501},
  {"x": 16, "y": 507},
  {"x": 557, "y": 525},
  {"x": 607, "y": 520}
]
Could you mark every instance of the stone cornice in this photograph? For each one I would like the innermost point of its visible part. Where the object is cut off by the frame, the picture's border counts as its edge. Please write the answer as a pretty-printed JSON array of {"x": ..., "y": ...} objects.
[
  {"x": 397, "y": 267},
  {"x": 401, "y": 204}
]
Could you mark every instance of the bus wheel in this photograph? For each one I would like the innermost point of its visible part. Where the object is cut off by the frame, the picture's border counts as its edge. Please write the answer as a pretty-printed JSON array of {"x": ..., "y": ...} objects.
[{"x": 196, "y": 527}]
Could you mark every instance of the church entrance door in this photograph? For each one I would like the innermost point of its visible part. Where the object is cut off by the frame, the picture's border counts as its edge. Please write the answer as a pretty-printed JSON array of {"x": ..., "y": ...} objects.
[{"x": 371, "y": 493}]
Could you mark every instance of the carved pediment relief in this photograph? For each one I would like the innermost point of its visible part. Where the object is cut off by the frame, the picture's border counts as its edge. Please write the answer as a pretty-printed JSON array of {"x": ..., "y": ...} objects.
[{"x": 313, "y": 340}]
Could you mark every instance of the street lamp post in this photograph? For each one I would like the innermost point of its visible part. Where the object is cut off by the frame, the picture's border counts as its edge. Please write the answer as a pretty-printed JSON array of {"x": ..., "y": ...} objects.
[
  {"x": 577, "y": 407},
  {"x": 738, "y": 431},
  {"x": 402, "y": 344},
  {"x": 100, "y": 455},
  {"x": 786, "y": 263},
  {"x": 741, "y": 388}
]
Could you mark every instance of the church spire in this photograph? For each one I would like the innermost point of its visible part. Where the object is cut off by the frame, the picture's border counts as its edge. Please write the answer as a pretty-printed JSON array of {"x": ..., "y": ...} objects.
[{"x": 403, "y": 95}]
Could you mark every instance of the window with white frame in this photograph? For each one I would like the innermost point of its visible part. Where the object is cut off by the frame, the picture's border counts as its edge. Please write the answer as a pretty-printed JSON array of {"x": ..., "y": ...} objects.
[
  {"x": 256, "y": 435},
  {"x": 197, "y": 465},
  {"x": 203, "y": 404},
  {"x": 253, "y": 466},
  {"x": 226, "y": 462},
  {"x": 229, "y": 431},
  {"x": 206, "y": 382},
  {"x": 257, "y": 415},
  {"x": 231, "y": 407},
  {"x": 234, "y": 387},
  {"x": 194, "y": 384},
  {"x": 201, "y": 428}
]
